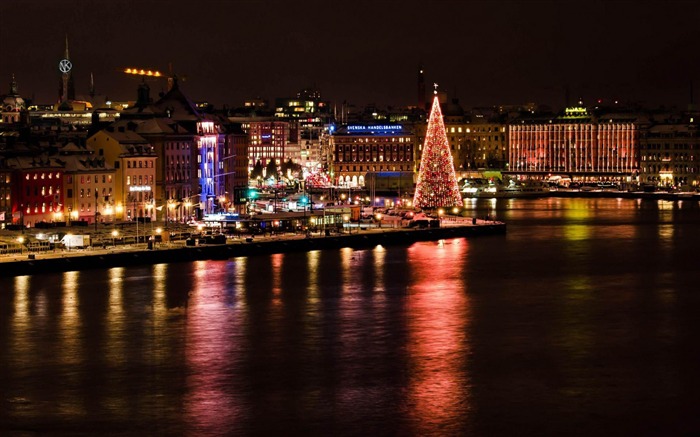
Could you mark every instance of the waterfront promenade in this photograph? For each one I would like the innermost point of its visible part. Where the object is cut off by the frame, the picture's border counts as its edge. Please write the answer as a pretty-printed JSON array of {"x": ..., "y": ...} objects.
[{"x": 354, "y": 235}]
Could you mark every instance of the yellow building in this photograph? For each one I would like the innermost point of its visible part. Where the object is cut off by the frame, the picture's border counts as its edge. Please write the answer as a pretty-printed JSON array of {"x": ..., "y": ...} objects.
[{"x": 133, "y": 159}]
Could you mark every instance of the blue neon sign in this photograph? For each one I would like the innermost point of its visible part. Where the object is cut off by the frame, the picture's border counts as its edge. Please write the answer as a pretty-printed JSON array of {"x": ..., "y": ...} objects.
[{"x": 374, "y": 127}]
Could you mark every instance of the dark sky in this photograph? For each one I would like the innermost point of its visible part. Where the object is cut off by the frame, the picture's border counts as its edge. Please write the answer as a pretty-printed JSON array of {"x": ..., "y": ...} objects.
[{"x": 483, "y": 52}]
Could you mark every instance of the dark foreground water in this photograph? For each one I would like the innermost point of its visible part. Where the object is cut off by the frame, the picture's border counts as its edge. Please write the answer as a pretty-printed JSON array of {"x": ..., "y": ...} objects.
[{"x": 583, "y": 320}]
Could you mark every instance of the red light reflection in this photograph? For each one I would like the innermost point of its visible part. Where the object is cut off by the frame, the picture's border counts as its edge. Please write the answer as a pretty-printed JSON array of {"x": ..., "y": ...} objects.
[{"x": 438, "y": 323}]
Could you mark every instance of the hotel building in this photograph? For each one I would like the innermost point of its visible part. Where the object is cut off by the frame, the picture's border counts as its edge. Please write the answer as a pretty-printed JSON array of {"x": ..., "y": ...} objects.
[{"x": 577, "y": 144}]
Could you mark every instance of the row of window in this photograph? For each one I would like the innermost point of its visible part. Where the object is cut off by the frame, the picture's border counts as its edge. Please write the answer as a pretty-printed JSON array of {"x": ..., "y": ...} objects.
[
  {"x": 87, "y": 192},
  {"x": 361, "y": 158},
  {"x": 667, "y": 157},
  {"x": 340, "y": 142},
  {"x": 45, "y": 191},
  {"x": 43, "y": 176},
  {"x": 139, "y": 164},
  {"x": 86, "y": 179},
  {"x": 675, "y": 169},
  {"x": 365, "y": 168},
  {"x": 176, "y": 160},
  {"x": 43, "y": 208},
  {"x": 666, "y": 146},
  {"x": 178, "y": 176},
  {"x": 139, "y": 180},
  {"x": 177, "y": 146}
]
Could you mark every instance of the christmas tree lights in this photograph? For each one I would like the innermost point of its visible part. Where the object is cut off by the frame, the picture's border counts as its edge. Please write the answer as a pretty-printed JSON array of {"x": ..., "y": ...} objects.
[{"x": 437, "y": 183}]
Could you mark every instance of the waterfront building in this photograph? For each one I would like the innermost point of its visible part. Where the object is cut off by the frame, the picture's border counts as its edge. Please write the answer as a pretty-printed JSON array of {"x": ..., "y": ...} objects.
[
  {"x": 37, "y": 191},
  {"x": 88, "y": 185},
  {"x": 670, "y": 153},
  {"x": 362, "y": 148},
  {"x": 133, "y": 159},
  {"x": 197, "y": 171},
  {"x": 579, "y": 144}
]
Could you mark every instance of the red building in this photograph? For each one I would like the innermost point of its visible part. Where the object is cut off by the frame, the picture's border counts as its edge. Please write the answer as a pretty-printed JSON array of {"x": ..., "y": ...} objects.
[{"x": 38, "y": 194}]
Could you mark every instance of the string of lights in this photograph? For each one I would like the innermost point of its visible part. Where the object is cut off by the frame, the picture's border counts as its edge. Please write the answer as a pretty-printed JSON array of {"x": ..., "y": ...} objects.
[{"x": 437, "y": 182}]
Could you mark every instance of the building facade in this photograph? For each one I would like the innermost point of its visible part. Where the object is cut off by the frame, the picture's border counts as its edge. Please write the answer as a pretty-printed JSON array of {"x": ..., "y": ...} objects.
[
  {"x": 133, "y": 159},
  {"x": 670, "y": 154},
  {"x": 577, "y": 144},
  {"x": 37, "y": 191},
  {"x": 359, "y": 149}
]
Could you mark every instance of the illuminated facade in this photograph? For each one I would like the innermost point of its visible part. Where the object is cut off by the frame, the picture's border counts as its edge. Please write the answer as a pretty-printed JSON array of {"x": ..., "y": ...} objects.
[
  {"x": 133, "y": 159},
  {"x": 670, "y": 154},
  {"x": 271, "y": 140},
  {"x": 575, "y": 144},
  {"x": 88, "y": 187},
  {"x": 359, "y": 149},
  {"x": 38, "y": 190},
  {"x": 210, "y": 171}
]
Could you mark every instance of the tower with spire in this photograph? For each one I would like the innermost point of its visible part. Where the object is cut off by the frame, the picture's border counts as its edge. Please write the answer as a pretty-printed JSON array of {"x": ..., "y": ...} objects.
[
  {"x": 437, "y": 183},
  {"x": 66, "y": 91},
  {"x": 421, "y": 88},
  {"x": 12, "y": 104}
]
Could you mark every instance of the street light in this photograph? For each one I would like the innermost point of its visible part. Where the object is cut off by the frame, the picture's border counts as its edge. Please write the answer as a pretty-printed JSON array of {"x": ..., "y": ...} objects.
[
  {"x": 115, "y": 234},
  {"x": 171, "y": 205},
  {"x": 379, "y": 218},
  {"x": 188, "y": 204},
  {"x": 20, "y": 240}
]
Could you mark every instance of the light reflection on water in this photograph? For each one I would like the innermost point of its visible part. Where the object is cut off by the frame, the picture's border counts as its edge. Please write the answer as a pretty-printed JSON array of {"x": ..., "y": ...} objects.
[{"x": 584, "y": 313}]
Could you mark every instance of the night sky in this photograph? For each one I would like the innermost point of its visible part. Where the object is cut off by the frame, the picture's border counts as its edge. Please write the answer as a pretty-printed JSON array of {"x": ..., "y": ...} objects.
[{"x": 484, "y": 53}]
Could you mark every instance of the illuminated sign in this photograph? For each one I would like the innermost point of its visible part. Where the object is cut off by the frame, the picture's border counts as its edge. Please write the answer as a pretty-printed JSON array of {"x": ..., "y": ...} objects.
[
  {"x": 220, "y": 217},
  {"x": 375, "y": 127},
  {"x": 64, "y": 66},
  {"x": 266, "y": 136},
  {"x": 140, "y": 188},
  {"x": 575, "y": 111}
]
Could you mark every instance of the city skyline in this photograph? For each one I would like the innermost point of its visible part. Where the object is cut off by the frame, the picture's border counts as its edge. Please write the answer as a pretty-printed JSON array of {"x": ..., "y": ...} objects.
[{"x": 482, "y": 53}]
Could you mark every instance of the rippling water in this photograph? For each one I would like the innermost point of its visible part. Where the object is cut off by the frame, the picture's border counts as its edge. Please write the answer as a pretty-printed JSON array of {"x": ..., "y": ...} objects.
[{"x": 582, "y": 320}]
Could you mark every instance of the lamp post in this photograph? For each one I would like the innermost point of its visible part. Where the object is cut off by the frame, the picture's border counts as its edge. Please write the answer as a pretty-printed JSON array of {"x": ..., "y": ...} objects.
[
  {"x": 96, "y": 209},
  {"x": 379, "y": 219},
  {"x": 20, "y": 240},
  {"x": 115, "y": 233},
  {"x": 171, "y": 205}
]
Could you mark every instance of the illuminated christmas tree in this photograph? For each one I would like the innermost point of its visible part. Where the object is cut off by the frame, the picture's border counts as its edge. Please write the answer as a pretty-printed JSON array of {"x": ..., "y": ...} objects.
[{"x": 437, "y": 183}]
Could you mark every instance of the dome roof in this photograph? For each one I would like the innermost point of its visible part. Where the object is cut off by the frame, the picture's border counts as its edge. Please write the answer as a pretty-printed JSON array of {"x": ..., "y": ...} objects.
[{"x": 12, "y": 104}]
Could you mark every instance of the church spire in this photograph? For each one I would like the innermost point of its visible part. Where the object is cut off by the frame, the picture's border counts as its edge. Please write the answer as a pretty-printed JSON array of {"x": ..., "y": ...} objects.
[{"x": 13, "y": 86}]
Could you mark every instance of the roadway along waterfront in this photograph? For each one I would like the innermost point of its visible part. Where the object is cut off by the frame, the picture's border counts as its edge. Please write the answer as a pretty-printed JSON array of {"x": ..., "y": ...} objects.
[{"x": 137, "y": 254}]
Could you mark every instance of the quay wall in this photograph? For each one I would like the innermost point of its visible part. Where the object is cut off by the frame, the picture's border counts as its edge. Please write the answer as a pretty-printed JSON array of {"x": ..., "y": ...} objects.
[{"x": 107, "y": 259}]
